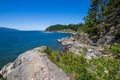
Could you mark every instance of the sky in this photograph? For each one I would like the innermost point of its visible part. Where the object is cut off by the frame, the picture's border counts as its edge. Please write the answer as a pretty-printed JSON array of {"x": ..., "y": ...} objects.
[{"x": 40, "y": 14}]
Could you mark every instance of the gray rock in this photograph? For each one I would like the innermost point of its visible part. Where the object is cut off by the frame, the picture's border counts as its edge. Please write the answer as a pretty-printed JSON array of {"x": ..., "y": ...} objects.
[
  {"x": 77, "y": 47},
  {"x": 33, "y": 65}
]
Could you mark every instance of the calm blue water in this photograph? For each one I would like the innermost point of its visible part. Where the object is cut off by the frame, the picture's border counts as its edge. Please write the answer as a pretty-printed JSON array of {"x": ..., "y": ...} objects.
[{"x": 14, "y": 43}]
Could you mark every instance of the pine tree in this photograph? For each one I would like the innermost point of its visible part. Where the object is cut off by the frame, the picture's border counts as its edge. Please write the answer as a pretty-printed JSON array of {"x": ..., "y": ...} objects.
[{"x": 91, "y": 18}]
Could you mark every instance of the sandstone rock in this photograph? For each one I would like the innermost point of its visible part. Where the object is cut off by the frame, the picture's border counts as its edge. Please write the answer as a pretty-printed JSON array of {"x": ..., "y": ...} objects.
[{"x": 33, "y": 65}]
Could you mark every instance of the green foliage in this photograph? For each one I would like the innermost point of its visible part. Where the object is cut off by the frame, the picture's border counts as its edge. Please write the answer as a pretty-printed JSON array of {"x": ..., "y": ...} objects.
[
  {"x": 114, "y": 50},
  {"x": 79, "y": 68},
  {"x": 84, "y": 51},
  {"x": 59, "y": 27},
  {"x": 52, "y": 55},
  {"x": 105, "y": 69},
  {"x": 93, "y": 37},
  {"x": 92, "y": 31},
  {"x": 91, "y": 18},
  {"x": 101, "y": 11},
  {"x": 111, "y": 9},
  {"x": 4, "y": 79}
]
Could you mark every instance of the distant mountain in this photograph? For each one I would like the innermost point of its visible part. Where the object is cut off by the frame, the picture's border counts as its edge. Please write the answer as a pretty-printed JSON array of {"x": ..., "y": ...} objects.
[{"x": 3, "y": 29}]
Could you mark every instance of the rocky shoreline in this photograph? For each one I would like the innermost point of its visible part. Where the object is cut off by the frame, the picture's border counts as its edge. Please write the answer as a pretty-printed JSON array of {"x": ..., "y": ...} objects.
[
  {"x": 74, "y": 45},
  {"x": 33, "y": 65}
]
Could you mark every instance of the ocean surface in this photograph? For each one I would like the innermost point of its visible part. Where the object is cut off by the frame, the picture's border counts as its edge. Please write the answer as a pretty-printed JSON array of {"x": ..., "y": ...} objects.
[{"x": 12, "y": 44}]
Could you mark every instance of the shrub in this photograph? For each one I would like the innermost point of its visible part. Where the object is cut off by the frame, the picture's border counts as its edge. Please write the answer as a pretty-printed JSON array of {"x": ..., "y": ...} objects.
[
  {"x": 79, "y": 68},
  {"x": 114, "y": 50},
  {"x": 4, "y": 79}
]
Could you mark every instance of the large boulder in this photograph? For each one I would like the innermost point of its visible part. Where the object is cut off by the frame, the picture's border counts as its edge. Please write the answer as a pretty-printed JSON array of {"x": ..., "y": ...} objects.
[{"x": 33, "y": 65}]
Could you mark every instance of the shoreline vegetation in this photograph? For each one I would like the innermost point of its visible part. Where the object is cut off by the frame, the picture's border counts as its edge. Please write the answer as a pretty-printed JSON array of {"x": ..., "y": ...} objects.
[
  {"x": 77, "y": 67},
  {"x": 98, "y": 38},
  {"x": 93, "y": 52}
]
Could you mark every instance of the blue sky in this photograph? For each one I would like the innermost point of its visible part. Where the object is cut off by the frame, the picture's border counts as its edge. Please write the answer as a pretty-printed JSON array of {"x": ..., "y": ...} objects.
[{"x": 39, "y": 14}]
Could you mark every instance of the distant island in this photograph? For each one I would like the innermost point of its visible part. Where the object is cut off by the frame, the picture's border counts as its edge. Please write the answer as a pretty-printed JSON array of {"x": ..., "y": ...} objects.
[
  {"x": 4, "y": 29},
  {"x": 60, "y": 27}
]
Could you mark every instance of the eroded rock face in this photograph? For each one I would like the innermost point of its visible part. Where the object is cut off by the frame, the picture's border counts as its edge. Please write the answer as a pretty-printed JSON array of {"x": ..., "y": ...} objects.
[{"x": 33, "y": 65}]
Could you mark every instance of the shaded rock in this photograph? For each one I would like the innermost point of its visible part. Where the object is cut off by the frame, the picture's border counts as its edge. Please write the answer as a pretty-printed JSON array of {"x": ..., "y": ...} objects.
[
  {"x": 108, "y": 34},
  {"x": 84, "y": 38},
  {"x": 106, "y": 40},
  {"x": 1, "y": 76}
]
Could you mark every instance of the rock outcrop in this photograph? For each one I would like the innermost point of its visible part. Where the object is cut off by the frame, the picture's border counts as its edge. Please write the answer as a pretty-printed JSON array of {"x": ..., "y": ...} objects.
[
  {"x": 77, "y": 47},
  {"x": 66, "y": 31},
  {"x": 108, "y": 34},
  {"x": 33, "y": 65}
]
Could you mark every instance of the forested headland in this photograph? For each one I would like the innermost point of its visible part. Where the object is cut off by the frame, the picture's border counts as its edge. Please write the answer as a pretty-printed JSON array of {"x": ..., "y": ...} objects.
[
  {"x": 92, "y": 53},
  {"x": 101, "y": 28},
  {"x": 101, "y": 17}
]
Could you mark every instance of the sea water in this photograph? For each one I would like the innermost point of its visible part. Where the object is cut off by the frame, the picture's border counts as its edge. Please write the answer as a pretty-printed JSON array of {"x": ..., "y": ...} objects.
[{"x": 12, "y": 44}]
